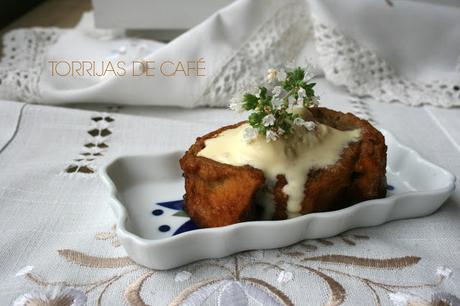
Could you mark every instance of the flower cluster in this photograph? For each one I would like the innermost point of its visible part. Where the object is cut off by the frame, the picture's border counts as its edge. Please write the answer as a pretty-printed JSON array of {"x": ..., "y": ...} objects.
[{"x": 276, "y": 105}]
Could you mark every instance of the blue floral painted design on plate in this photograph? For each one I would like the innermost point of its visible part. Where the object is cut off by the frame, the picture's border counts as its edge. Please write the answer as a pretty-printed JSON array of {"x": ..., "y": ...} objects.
[
  {"x": 188, "y": 224},
  {"x": 178, "y": 205}
]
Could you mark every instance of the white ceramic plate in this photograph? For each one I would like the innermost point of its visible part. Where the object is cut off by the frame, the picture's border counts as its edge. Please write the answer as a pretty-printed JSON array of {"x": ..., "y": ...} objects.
[{"x": 147, "y": 200}]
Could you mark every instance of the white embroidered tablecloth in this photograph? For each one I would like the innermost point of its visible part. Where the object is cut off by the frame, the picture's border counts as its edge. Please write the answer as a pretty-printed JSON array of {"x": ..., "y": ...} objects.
[{"x": 57, "y": 229}]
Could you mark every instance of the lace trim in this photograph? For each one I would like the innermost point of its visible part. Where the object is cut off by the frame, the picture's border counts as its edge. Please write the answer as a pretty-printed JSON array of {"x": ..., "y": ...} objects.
[
  {"x": 23, "y": 60},
  {"x": 277, "y": 41},
  {"x": 361, "y": 109},
  {"x": 364, "y": 73}
]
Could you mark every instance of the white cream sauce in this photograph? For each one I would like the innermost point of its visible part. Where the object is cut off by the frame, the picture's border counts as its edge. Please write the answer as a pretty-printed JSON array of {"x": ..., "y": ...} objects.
[{"x": 293, "y": 158}]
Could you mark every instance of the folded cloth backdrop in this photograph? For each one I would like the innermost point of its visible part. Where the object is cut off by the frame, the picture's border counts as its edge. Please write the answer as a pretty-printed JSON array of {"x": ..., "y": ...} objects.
[
  {"x": 406, "y": 51},
  {"x": 236, "y": 43}
]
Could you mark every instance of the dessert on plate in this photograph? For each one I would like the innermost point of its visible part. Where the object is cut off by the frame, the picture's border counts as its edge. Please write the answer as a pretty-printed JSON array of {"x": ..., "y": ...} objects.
[{"x": 291, "y": 157}]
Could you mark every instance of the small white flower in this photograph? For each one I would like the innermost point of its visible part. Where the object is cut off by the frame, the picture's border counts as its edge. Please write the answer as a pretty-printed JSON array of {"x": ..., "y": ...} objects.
[
  {"x": 182, "y": 276},
  {"x": 268, "y": 120},
  {"x": 308, "y": 76},
  {"x": 310, "y": 125},
  {"x": 299, "y": 103},
  {"x": 271, "y": 74},
  {"x": 315, "y": 100},
  {"x": 277, "y": 103},
  {"x": 24, "y": 271},
  {"x": 277, "y": 91},
  {"x": 443, "y": 272},
  {"x": 299, "y": 121},
  {"x": 291, "y": 102},
  {"x": 271, "y": 136},
  {"x": 282, "y": 75},
  {"x": 284, "y": 277},
  {"x": 280, "y": 131},
  {"x": 301, "y": 93},
  {"x": 236, "y": 105},
  {"x": 250, "y": 134}
]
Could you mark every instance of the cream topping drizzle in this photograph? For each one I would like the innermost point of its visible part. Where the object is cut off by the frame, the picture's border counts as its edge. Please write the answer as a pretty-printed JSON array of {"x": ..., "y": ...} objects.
[{"x": 293, "y": 158}]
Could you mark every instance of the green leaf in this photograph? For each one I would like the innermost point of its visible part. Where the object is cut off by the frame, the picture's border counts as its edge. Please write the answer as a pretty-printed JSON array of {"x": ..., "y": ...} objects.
[
  {"x": 298, "y": 74},
  {"x": 180, "y": 213},
  {"x": 261, "y": 104},
  {"x": 309, "y": 91},
  {"x": 255, "y": 119},
  {"x": 263, "y": 92},
  {"x": 249, "y": 101}
]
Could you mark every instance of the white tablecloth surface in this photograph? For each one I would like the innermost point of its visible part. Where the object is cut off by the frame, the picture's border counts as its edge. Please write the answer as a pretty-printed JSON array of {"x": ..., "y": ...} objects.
[{"x": 58, "y": 225}]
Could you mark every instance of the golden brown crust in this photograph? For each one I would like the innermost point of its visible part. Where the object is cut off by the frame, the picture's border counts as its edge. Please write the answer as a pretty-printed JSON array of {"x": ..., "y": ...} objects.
[
  {"x": 359, "y": 175},
  {"x": 219, "y": 194}
]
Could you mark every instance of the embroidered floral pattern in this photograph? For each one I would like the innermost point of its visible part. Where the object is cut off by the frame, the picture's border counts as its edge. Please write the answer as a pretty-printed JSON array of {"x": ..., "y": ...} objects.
[
  {"x": 99, "y": 131},
  {"x": 234, "y": 281},
  {"x": 52, "y": 296},
  {"x": 109, "y": 236}
]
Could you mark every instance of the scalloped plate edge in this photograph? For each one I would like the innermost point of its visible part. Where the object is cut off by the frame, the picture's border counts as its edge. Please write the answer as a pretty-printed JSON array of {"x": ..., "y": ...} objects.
[{"x": 223, "y": 241}]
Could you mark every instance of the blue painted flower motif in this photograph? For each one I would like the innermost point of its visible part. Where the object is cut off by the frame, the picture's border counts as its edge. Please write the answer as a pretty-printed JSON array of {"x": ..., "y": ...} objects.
[{"x": 188, "y": 225}]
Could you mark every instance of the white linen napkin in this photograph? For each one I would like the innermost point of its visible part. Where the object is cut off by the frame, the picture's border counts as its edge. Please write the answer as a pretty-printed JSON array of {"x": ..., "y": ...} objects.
[
  {"x": 236, "y": 44},
  {"x": 406, "y": 51}
]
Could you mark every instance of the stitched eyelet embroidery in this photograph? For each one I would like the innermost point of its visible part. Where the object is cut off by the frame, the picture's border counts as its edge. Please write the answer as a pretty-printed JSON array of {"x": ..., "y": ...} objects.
[{"x": 95, "y": 147}]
